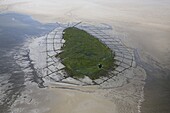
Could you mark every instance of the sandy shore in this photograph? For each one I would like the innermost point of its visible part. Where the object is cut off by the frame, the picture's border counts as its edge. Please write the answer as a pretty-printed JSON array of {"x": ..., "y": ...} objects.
[{"x": 146, "y": 27}]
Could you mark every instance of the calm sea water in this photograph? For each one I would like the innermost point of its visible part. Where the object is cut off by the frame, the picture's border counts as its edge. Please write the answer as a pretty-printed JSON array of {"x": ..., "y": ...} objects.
[{"x": 14, "y": 29}]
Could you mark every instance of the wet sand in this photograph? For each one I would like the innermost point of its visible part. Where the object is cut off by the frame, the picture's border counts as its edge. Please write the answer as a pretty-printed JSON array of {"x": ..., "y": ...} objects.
[{"x": 145, "y": 25}]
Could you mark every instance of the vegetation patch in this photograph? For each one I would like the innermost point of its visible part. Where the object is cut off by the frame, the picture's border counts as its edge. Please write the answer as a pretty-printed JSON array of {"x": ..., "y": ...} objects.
[{"x": 84, "y": 55}]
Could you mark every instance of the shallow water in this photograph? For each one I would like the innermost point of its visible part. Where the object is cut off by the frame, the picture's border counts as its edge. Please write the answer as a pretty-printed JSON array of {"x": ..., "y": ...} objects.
[
  {"x": 14, "y": 30},
  {"x": 157, "y": 87}
]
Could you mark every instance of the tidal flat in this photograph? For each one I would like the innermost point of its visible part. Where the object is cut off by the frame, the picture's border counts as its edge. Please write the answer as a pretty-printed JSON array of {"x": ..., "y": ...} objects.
[{"x": 142, "y": 25}]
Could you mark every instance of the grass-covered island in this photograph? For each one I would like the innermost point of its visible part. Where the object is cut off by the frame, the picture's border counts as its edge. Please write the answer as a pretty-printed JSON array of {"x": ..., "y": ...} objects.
[{"x": 83, "y": 54}]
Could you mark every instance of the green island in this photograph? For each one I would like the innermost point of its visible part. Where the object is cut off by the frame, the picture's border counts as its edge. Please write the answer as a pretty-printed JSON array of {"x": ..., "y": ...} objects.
[{"x": 84, "y": 55}]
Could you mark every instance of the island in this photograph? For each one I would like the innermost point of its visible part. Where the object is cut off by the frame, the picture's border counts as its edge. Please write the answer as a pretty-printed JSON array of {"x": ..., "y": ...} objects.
[{"x": 84, "y": 55}]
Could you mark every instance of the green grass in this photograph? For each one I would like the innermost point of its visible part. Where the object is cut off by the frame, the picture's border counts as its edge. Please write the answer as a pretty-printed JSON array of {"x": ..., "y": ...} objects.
[{"x": 82, "y": 53}]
